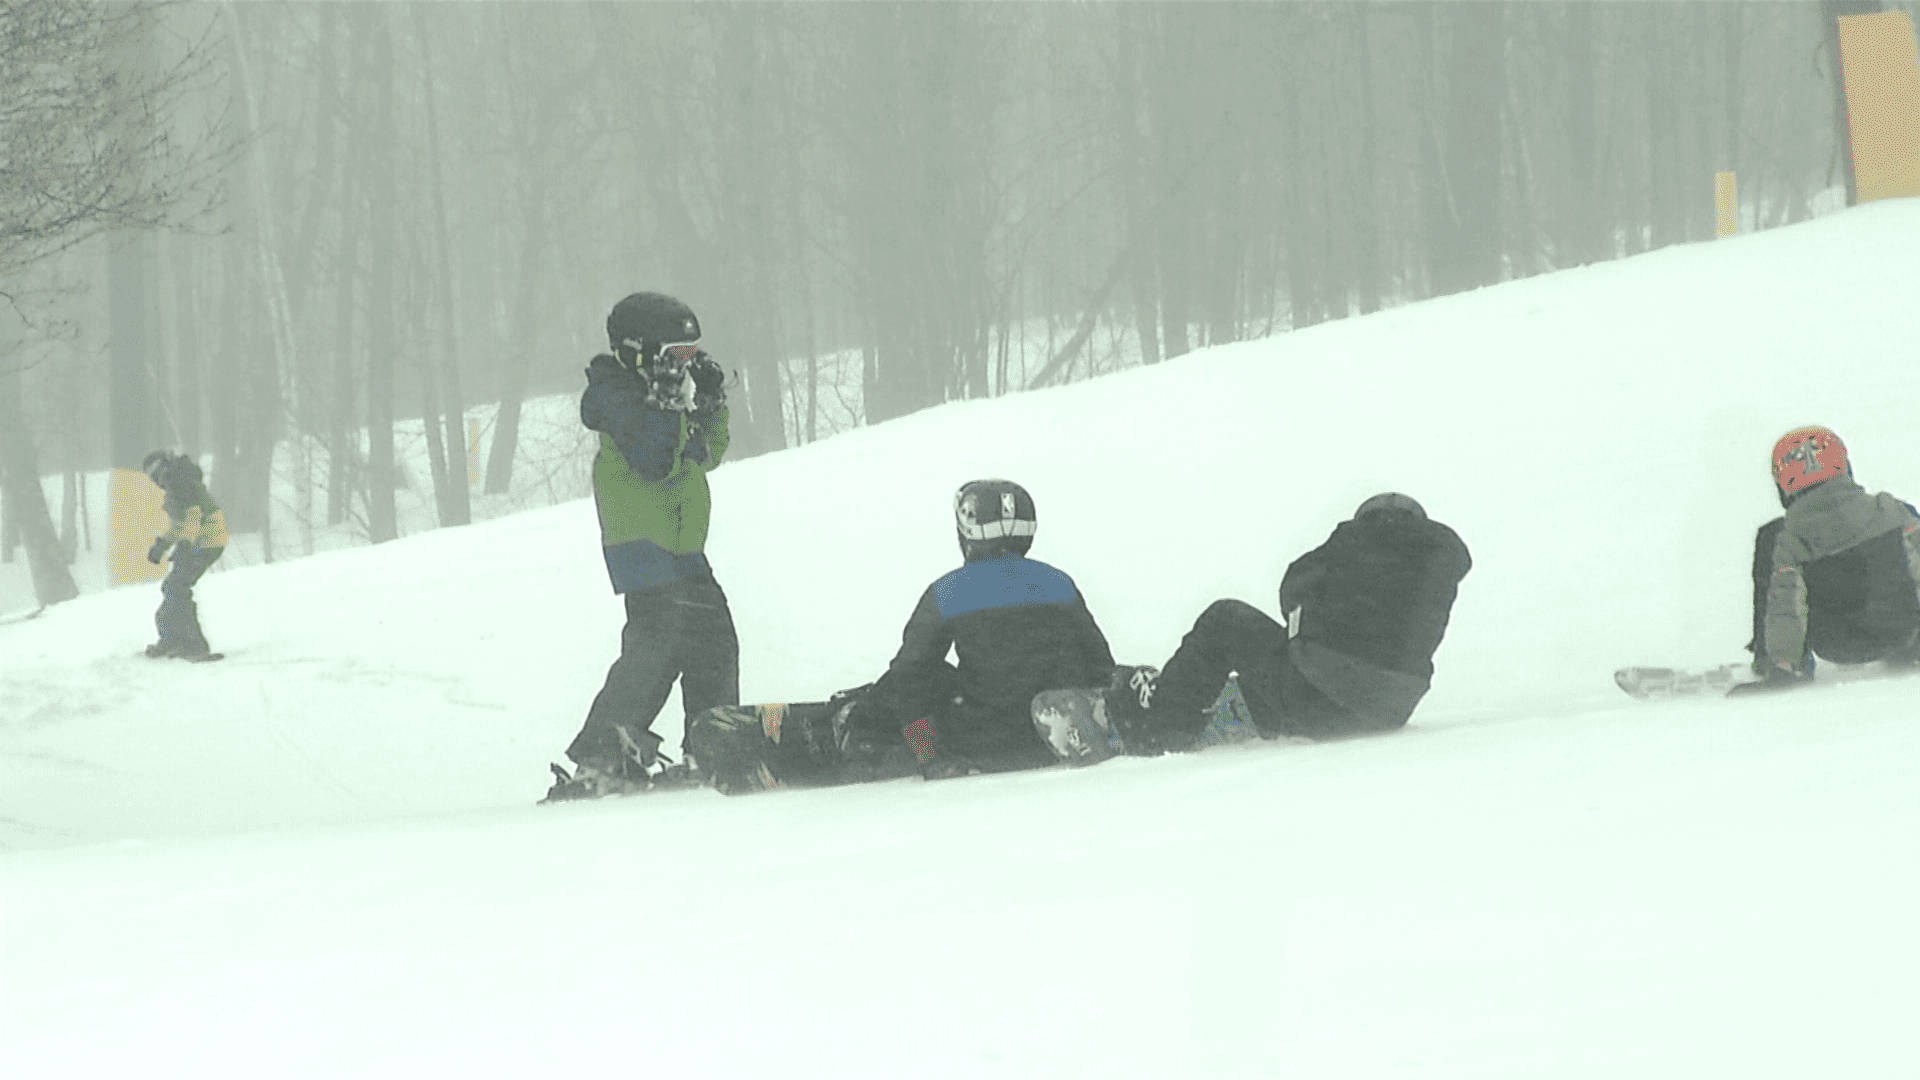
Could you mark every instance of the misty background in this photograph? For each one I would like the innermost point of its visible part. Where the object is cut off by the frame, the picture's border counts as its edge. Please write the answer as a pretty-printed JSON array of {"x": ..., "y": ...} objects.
[{"x": 273, "y": 235}]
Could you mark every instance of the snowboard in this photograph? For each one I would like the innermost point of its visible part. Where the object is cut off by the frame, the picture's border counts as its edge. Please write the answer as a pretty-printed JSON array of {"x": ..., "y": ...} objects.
[
  {"x": 664, "y": 775},
  {"x": 1074, "y": 723},
  {"x": 742, "y": 749},
  {"x": 1660, "y": 683},
  {"x": 570, "y": 787}
]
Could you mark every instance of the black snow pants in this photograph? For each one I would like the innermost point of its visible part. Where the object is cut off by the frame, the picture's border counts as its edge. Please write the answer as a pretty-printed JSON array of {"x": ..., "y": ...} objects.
[
  {"x": 178, "y": 618},
  {"x": 1235, "y": 637},
  {"x": 682, "y": 632}
]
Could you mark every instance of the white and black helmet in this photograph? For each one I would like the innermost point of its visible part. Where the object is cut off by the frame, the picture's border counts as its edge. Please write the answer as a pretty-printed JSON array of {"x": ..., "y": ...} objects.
[{"x": 993, "y": 517}]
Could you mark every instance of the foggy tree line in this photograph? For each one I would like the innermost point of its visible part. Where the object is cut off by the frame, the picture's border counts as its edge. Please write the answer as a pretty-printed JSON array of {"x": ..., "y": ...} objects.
[
  {"x": 879, "y": 207},
  {"x": 80, "y": 158}
]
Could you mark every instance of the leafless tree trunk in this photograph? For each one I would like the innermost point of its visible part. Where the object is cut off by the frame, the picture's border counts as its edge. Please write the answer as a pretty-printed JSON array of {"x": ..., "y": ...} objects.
[
  {"x": 1583, "y": 236},
  {"x": 456, "y": 507},
  {"x": 1136, "y": 183},
  {"x": 26, "y": 504},
  {"x": 1169, "y": 97},
  {"x": 1468, "y": 255},
  {"x": 1359, "y": 31},
  {"x": 518, "y": 355},
  {"x": 382, "y": 519}
]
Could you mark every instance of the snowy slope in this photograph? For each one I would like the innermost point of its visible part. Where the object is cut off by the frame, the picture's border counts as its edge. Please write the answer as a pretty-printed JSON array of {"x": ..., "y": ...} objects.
[{"x": 320, "y": 857}]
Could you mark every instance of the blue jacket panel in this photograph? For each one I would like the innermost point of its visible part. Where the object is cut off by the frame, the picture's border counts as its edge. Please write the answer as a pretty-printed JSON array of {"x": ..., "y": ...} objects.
[
  {"x": 1003, "y": 582},
  {"x": 643, "y": 564}
]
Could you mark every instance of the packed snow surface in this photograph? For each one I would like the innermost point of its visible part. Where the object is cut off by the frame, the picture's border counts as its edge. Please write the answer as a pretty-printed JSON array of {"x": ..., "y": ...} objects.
[{"x": 322, "y": 858}]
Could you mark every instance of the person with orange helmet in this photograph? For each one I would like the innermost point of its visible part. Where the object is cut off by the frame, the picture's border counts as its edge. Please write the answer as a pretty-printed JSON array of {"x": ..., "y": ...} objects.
[{"x": 1838, "y": 575}]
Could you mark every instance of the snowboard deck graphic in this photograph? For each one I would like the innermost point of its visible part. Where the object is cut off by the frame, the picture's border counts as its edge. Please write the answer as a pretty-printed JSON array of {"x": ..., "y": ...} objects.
[
  {"x": 1230, "y": 721},
  {"x": 741, "y": 749},
  {"x": 1074, "y": 723},
  {"x": 1660, "y": 683}
]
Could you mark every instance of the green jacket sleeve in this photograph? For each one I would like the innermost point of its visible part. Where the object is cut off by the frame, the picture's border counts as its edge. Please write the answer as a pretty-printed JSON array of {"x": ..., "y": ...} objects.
[{"x": 717, "y": 438}]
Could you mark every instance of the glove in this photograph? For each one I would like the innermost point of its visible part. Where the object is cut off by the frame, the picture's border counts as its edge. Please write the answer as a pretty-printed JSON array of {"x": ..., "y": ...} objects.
[
  {"x": 868, "y": 751},
  {"x": 696, "y": 448},
  {"x": 709, "y": 385},
  {"x": 866, "y": 756},
  {"x": 1775, "y": 677},
  {"x": 944, "y": 768},
  {"x": 669, "y": 387},
  {"x": 159, "y": 550}
]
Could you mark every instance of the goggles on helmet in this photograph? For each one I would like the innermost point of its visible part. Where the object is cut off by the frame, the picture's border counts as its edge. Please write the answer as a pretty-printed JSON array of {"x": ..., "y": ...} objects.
[{"x": 978, "y": 520}]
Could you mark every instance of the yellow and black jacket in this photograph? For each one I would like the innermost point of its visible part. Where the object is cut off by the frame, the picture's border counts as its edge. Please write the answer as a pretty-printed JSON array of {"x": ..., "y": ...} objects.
[{"x": 192, "y": 514}]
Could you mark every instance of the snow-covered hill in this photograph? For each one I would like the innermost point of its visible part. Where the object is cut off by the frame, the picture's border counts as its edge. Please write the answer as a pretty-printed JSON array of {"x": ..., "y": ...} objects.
[{"x": 321, "y": 857}]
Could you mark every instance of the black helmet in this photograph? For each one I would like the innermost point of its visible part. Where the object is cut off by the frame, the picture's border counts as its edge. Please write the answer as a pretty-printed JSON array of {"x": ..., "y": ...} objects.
[
  {"x": 166, "y": 468},
  {"x": 1391, "y": 502},
  {"x": 993, "y": 518},
  {"x": 155, "y": 466},
  {"x": 638, "y": 325}
]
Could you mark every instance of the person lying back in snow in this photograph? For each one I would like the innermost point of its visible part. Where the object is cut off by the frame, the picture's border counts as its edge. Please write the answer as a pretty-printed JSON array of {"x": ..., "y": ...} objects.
[
  {"x": 1838, "y": 575},
  {"x": 1365, "y": 611}
]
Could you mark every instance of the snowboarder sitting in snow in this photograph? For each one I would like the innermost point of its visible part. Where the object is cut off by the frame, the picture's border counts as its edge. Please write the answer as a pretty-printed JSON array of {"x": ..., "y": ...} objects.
[
  {"x": 1365, "y": 611},
  {"x": 659, "y": 404},
  {"x": 1838, "y": 575},
  {"x": 197, "y": 537},
  {"x": 1016, "y": 627}
]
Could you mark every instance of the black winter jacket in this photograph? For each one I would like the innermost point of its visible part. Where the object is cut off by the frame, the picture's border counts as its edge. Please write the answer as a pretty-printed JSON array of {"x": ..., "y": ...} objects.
[{"x": 1367, "y": 609}]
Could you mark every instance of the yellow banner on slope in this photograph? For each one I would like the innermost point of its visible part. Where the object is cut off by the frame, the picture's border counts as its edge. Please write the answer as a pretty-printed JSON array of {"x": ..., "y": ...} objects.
[
  {"x": 1882, "y": 72},
  {"x": 134, "y": 518}
]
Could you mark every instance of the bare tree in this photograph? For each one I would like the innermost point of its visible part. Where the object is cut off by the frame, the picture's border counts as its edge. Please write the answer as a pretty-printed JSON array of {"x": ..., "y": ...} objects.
[
  {"x": 92, "y": 145},
  {"x": 76, "y": 166}
]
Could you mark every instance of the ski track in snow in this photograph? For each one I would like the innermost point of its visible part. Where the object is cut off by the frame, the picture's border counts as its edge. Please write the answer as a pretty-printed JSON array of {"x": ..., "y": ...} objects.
[{"x": 321, "y": 856}]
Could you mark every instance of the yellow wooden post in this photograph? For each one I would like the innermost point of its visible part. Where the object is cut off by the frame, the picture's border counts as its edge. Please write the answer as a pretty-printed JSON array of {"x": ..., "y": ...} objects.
[
  {"x": 1726, "y": 205},
  {"x": 134, "y": 518},
  {"x": 1881, "y": 69},
  {"x": 473, "y": 452}
]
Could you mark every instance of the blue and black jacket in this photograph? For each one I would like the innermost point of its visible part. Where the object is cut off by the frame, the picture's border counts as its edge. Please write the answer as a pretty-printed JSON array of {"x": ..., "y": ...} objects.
[{"x": 1016, "y": 626}]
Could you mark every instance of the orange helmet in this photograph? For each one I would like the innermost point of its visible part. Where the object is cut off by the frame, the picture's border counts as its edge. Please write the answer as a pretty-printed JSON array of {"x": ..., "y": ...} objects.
[{"x": 1807, "y": 456}]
